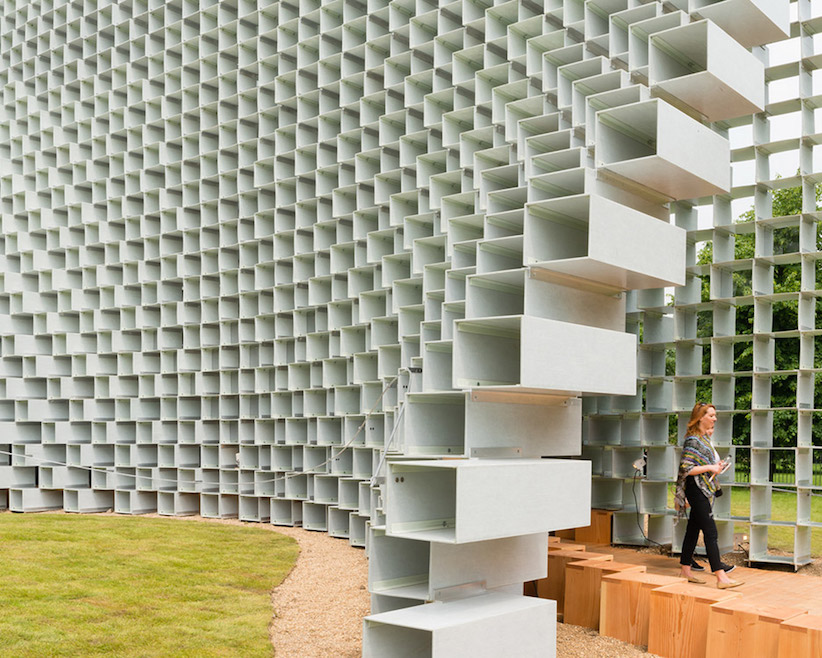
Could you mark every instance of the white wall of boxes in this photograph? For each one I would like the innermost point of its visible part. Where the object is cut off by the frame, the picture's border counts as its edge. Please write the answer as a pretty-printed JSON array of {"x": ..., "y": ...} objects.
[{"x": 353, "y": 265}]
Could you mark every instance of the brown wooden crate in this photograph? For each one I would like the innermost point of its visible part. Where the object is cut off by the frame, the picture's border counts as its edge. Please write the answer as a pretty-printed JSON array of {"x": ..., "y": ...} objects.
[
  {"x": 801, "y": 637},
  {"x": 625, "y": 604},
  {"x": 599, "y": 532},
  {"x": 583, "y": 582},
  {"x": 553, "y": 587},
  {"x": 741, "y": 628},
  {"x": 679, "y": 618}
]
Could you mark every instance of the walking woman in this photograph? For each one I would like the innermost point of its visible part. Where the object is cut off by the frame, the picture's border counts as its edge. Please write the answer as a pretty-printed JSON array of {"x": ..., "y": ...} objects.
[{"x": 697, "y": 484}]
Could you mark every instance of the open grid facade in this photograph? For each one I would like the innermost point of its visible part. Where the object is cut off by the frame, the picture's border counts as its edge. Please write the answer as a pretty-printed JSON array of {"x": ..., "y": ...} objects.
[{"x": 742, "y": 333}]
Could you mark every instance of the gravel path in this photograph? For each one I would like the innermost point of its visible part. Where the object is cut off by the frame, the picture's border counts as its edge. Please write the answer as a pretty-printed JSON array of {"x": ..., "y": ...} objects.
[
  {"x": 579, "y": 642},
  {"x": 318, "y": 609}
]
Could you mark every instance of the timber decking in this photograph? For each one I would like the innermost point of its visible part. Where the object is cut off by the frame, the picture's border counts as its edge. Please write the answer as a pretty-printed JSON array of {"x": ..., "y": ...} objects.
[{"x": 640, "y": 598}]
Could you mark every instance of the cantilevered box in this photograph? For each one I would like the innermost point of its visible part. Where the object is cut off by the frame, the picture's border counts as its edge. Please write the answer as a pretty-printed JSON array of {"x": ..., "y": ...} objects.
[
  {"x": 423, "y": 571},
  {"x": 460, "y": 424},
  {"x": 526, "y": 353},
  {"x": 702, "y": 67},
  {"x": 663, "y": 150},
  {"x": 467, "y": 500},
  {"x": 751, "y": 22},
  {"x": 596, "y": 240}
]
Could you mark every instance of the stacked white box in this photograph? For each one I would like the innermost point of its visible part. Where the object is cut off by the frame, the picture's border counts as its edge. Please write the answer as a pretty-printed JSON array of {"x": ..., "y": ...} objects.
[{"x": 484, "y": 625}]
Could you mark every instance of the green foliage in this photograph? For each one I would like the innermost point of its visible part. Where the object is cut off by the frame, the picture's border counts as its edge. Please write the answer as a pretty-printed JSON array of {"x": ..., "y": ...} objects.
[
  {"x": 126, "y": 586},
  {"x": 787, "y": 278}
]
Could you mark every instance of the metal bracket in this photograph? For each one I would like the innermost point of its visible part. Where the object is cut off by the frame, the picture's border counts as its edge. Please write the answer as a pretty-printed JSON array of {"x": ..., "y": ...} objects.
[
  {"x": 463, "y": 591},
  {"x": 503, "y": 452}
]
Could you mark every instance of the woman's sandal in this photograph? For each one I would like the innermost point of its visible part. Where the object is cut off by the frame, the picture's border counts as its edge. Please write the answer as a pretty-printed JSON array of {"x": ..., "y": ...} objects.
[
  {"x": 729, "y": 584},
  {"x": 695, "y": 580}
]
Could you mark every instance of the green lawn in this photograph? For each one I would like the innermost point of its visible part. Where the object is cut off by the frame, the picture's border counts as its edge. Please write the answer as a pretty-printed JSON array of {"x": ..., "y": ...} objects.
[
  {"x": 783, "y": 508},
  {"x": 128, "y": 586}
]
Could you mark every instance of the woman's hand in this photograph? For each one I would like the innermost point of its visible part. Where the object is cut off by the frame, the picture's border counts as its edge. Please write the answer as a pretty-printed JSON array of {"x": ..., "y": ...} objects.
[{"x": 716, "y": 469}]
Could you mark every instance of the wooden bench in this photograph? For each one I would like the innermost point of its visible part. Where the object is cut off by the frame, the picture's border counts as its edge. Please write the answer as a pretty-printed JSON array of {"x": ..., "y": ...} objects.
[
  {"x": 625, "y": 604},
  {"x": 801, "y": 637},
  {"x": 583, "y": 583},
  {"x": 741, "y": 628},
  {"x": 553, "y": 587},
  {"x": 679, "y": 619}
]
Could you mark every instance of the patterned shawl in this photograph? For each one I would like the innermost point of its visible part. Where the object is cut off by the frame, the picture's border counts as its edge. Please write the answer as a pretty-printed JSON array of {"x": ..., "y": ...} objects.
[{"x": 697, "y": 451}]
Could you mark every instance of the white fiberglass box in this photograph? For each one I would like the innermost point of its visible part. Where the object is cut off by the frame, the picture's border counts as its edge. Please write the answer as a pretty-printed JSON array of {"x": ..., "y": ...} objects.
[
  {"x": 528, "y": 291},
  {"x": 536, "y": 354},
  {"x": 491, "y": 624},
  {"x": 481, "y": 422},
  {"x": 425, "y": 571},
  {"x": 704, "y": 68},
  {"x": 663, "y": 150},
  {"x": 594, "y": 239},
  {"x": 751, "y": 22},
  {"x": 533, "y": 425},
  {"x": 467, "y": 500},
  {"x": 34, "y": 500}
]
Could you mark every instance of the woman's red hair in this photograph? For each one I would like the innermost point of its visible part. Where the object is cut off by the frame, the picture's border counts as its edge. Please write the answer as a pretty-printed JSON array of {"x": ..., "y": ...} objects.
[{"x": 699, "y": 410}]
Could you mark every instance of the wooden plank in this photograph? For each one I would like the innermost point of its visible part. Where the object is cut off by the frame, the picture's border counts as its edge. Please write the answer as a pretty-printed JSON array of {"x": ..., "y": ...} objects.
[
  {"x": 679, "y": 617},
  {"x": 801, "y": 637},
  {"x": 625, "y": 604},
  {"x": 741, "y": 628},
  {"x": 558, "y": 560},
  {"x": 531, "y": 588},
  {"x": 565, "y": 546},
  {"x": 599, "y": 532},
  {"x": 569, "y": 534},
  {"x": 583, "y": 581},
  {"x": 553, "y": 587},
  {"x": 664, "y": 565}
]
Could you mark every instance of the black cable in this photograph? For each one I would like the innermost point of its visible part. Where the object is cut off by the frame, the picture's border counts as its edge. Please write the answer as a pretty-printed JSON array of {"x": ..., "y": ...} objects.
[{"x": 636, "y": 506}]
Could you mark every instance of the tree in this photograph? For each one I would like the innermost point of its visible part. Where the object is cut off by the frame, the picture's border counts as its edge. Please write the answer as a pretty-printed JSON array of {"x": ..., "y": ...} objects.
[{"x": 787, "y": 278}]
